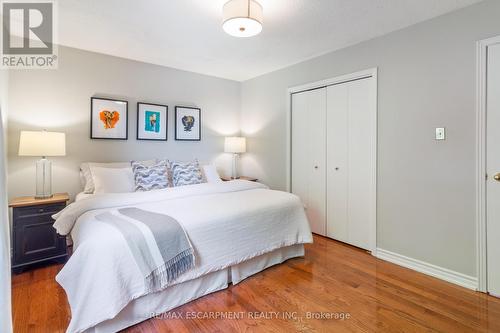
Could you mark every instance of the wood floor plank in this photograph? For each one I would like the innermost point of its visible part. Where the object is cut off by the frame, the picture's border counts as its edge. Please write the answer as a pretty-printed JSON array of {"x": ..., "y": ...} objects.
[{"x": 332, "y": 278}]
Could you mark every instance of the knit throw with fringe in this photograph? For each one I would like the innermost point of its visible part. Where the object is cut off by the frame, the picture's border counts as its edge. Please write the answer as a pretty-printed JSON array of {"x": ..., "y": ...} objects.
[{"x": 158, "y": 243}]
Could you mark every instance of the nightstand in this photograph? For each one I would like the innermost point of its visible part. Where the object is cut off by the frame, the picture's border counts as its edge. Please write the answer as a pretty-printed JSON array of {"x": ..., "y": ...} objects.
[
  {"x": 251, "y": 179},
  {"x": 34, "y": 238}
]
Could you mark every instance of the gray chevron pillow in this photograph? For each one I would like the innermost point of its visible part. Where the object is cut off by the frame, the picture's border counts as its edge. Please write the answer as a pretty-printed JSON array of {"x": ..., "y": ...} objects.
[
  {"x": 152, "y": 177},
  {"x": 186, "y": 173}
]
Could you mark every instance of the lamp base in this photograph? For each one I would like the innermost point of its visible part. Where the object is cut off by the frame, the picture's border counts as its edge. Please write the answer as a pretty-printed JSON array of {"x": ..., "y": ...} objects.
[
  {"x": 235, "y": 167},
  {"x": 43, "y": 179}
]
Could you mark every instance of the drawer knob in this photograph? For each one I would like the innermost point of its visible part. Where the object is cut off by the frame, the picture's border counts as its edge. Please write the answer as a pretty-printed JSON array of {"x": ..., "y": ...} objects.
[{"x": 41, "y": 210}]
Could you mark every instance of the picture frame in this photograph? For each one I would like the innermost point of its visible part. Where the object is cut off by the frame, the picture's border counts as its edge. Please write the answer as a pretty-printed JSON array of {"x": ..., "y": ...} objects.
[
  {"x": 152, "y": 122},
  {"x": 187, "y": 123},
  {"x": 108, "y": 119}
]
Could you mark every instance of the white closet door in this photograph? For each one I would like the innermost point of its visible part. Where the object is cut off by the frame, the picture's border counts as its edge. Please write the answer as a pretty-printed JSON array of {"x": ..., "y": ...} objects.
[
  {"x": 337, "y": 162},
  {"x": 493, "y": 170},
  {"x": 351, "y": 118},
  {"x": 309, "y": 155}
]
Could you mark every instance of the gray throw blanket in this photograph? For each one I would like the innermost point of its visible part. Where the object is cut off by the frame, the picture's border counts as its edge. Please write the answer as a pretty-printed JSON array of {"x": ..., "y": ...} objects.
[{"x": 158, "y": 243}]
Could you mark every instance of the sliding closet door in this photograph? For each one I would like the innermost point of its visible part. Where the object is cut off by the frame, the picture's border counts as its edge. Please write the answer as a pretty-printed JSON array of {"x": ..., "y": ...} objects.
[
  {"x": 351, "y": 122},
  {"x": 309, "y": 155},
  {"x": 338, "y": 166}
]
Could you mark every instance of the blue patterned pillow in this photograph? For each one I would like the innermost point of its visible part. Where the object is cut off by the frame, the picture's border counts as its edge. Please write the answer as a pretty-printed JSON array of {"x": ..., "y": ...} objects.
[
  {"x": 152, "y": 177},
  {"x": 186, "y": 173}
]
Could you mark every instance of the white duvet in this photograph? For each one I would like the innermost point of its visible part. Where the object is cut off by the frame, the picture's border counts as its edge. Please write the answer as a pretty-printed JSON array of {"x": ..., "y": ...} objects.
[{"x": 227, "y": 223}]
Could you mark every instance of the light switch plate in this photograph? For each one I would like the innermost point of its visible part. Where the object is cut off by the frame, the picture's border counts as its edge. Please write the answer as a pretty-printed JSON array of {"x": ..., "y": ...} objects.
[{"x": 440, "y": 133}]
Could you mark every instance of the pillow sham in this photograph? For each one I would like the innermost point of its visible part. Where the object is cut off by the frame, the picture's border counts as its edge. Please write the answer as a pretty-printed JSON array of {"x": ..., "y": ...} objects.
[
  {"x": 87, "y": 173},
  {"x": 83, "y": 181},
  {"x": 113, "y": 180},
  {"x": 186, "y": 173},
  {"x": 211, "y": 174},
  {"x": 152, "y": 177}
]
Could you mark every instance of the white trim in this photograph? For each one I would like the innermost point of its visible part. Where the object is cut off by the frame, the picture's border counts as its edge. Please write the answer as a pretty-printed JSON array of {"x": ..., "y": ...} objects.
[
  {"x": 374, "y": 158},
  {"x": 335, "y": 80},
  {"x": 373, "y": 73},
  {"x": 288, "y": 141},
  {"x": 460, "y": 279},
  {"x": 481, "y": 249}
]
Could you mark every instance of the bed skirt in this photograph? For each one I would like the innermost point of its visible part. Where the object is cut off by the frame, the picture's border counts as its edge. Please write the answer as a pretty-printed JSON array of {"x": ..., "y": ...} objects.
[{"x": 151, "y": 305}]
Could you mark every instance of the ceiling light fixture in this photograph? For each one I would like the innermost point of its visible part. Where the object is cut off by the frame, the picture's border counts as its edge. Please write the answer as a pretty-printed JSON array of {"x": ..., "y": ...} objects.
[{"x": 242, "y": 18}]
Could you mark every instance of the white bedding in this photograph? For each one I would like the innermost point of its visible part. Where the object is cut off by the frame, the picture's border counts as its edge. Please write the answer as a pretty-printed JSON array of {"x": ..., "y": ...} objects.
[
  {"x": 82, "y": 195},
  {"x": 227, "y": 223}
]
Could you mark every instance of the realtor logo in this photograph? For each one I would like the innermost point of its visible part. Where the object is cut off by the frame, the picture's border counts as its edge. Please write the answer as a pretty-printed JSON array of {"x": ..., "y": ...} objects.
[{"x": 28, "y": 35}]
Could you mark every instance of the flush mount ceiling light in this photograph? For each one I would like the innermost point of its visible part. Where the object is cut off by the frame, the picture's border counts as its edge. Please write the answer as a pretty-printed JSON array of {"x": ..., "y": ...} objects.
[{"x": 242, "y": 18}]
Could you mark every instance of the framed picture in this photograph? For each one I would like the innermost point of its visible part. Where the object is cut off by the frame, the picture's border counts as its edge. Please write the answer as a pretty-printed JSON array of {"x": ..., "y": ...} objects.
[
  {"x": 108, "y": 119},
  {"x": 152, "y": 122},
  {"x": 187, "y": 123}
]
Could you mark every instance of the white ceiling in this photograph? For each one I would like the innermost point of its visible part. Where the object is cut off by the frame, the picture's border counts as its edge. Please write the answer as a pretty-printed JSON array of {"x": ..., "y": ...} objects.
[{"x": 187, "y": 34}]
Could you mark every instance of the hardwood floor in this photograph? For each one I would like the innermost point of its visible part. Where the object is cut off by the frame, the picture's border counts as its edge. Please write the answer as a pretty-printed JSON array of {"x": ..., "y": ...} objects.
[{"x": 333, "y": 279}]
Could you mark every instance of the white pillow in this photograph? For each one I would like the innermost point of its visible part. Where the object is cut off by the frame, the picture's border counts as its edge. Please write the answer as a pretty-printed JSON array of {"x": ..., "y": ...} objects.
[
  {"x": 83, "y": 181},
  {"x": 113, "y": 180},
  {"x": 87, "y": 174},
  {"x": 210, "y": 173}
]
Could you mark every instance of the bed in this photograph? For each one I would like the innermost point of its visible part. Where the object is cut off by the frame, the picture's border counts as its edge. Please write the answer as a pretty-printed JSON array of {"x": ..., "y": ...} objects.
[{"x": 236, "y": 228}]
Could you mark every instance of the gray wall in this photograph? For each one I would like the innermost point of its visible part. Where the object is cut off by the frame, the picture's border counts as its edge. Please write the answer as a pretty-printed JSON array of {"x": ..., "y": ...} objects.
[
  {"x": 59, "y": 100},
  {"x": 426, "y": 80}
]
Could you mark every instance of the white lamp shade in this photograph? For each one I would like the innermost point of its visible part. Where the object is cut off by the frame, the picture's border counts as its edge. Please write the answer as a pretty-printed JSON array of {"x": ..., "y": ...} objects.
[
  {"x": 235, "y": 145},
  {"x": 242, "y": 18},
  {"x": 42, "y": 143}
]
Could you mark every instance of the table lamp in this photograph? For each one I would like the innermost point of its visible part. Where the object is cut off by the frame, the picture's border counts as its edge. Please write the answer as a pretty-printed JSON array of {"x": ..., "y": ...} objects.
[
  {"x": 43, "y": 144},
  {"x": 235, "y": 145}
]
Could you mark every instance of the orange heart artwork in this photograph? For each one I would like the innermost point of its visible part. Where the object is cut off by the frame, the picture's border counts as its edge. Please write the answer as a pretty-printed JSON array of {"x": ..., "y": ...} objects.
[{"x": 109, "y": 118}]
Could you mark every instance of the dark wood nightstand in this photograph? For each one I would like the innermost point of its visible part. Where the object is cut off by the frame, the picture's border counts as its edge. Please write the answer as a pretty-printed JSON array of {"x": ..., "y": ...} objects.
[
  {"x": 33, "y": 236},
  {"x": 251, "y": 179}
]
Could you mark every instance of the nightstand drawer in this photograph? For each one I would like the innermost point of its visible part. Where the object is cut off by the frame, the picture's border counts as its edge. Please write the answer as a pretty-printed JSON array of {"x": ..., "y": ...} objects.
[
  {"x": 33, "y": 219},
  {"x": 30, "y": 211}
]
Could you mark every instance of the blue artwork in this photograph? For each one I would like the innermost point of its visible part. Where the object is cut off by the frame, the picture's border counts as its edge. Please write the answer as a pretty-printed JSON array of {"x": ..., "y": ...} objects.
[{"x": 152, "y": 121}]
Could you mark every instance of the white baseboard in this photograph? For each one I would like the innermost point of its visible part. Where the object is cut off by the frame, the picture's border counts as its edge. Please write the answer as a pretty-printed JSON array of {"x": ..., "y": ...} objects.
[{"x": 463, "y": 280}]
